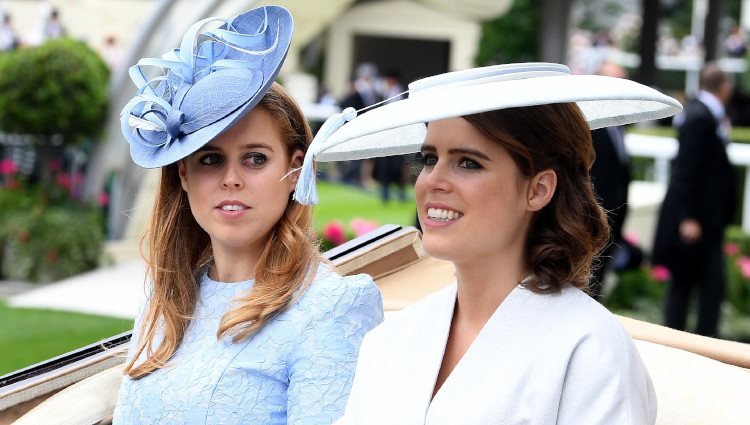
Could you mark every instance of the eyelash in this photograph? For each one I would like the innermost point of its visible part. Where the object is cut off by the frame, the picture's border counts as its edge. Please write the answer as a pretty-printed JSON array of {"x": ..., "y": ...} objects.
[
  {"x": 210, "y": 159},
  {"x": 430, "y": 160},
  {"x": 251, "y": 160},
  {"x": 253, "y": 157}
]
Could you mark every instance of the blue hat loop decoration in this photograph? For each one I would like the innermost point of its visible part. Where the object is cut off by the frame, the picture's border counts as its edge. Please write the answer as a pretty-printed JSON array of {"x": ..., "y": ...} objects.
[
  {"x": 174, "y": 120},
  {"x": 210, "y": 82}
]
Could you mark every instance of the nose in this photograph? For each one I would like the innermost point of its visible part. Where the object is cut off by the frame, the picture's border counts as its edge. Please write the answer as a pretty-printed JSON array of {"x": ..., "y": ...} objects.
[
  {"x": 434, "y": 178},
  {"x": 231, "y": 178}
]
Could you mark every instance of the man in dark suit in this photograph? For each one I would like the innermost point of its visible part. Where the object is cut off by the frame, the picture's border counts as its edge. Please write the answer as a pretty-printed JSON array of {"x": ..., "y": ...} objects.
[
  {"x": 610, "y": 175},
  {"x": 699, "y": 204}
]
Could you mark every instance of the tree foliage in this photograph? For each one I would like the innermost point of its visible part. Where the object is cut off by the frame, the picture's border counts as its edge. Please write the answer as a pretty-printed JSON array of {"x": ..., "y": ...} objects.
[
  {"x": 513, "y": 37},
  {"x": 58, "y": 88}
]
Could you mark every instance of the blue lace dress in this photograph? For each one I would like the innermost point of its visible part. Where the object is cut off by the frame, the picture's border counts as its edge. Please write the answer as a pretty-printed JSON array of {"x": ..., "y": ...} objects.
[{"x": 297, "y": 369}]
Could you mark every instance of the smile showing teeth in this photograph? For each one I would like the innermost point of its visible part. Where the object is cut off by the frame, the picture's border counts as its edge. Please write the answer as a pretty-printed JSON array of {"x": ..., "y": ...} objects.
[
  {"x": 232, "y": 207},
  {"x": 443, "y": 215}
]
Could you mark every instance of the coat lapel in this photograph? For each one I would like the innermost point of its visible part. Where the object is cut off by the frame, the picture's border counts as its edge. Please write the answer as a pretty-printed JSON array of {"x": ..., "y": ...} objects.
[
  {"x": 421, "y": 365},
  {"x": 493, "y": 342}
]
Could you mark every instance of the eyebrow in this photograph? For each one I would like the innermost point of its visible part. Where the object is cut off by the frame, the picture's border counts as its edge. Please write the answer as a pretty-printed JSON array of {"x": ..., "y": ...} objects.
[
  {"x": 458, "y": 151},
  {"x": 208, "y": 148}
]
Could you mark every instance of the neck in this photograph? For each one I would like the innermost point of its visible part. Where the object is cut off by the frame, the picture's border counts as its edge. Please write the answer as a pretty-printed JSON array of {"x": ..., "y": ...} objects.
[
  {"x": 483, "y": 285},
  {"x": 233, "y": 265}
]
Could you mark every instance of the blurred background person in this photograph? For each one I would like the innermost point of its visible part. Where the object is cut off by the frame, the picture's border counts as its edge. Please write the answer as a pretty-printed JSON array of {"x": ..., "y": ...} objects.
[
  {"x": 112, "y": 53},
  {"x": 610, "y": 175},
  {"x": 699, "y": 204},
  {"x": 8, "y": 37},
  {"x": 389, "y": 170},
  {"x": 735, "y": 45},
  {"x": 53, "y": 27},
  {"x": 362, "y": 93}
]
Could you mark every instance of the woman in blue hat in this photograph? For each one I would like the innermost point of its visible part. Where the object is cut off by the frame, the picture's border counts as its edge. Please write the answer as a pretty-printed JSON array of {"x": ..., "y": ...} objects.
[{"x": 243, "y": 322}]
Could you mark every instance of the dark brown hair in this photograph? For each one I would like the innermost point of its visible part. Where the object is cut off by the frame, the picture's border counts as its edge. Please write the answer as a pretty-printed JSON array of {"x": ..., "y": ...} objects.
[
  {"x": 178, "y": 248},
  {"x": 712, "y": 77},
  {"x": 571, "y": 230}
]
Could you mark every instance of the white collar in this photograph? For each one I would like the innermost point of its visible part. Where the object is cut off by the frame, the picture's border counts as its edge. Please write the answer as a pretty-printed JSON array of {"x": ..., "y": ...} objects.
[{"x": 713, "y": 104}]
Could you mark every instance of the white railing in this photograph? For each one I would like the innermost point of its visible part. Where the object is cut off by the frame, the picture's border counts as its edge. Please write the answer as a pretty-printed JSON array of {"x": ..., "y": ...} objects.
[{"x": 663, "y": 149}]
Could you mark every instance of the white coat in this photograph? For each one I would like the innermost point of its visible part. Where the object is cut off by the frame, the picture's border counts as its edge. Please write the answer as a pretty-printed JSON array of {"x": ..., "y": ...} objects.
[{"x": 540, "y": 359}]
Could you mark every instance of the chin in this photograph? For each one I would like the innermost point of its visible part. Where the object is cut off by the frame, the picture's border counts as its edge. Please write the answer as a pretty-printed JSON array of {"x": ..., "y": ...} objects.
[{"x": 438, "y": 249}]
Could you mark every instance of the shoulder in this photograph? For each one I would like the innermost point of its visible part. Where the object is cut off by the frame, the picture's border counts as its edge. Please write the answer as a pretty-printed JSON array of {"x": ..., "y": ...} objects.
[
  {"x": 330, "y": 292},
  {"x": 697, "y": 111},
  {"x": 327, "y": 283},
  {"x": 573, "y": 318}
]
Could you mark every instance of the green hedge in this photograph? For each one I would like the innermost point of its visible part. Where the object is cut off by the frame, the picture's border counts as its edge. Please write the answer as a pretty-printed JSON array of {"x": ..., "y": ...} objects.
[
  {"x": 44, "y": 242},
  {"x": 57, "y": 88}
]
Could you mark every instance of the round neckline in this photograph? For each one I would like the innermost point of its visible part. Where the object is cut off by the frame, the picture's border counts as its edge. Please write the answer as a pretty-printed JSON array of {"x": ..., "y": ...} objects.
[{"x": 206, "y": 277}]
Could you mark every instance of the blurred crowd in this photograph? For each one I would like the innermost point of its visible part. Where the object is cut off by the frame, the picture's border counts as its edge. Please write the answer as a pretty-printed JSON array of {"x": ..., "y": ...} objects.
[
  {"x": 369, "y": 88},
  {"x": 589, "y": 49},
  {"x": 48, "y": 27}
]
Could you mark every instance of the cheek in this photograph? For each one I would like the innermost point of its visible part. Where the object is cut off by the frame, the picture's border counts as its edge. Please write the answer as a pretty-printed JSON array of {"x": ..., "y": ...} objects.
[{"x": 419, "y": 186}]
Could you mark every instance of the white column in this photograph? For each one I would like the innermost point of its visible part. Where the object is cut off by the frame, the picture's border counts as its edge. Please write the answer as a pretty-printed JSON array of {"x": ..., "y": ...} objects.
[
  {"x": 745, "y": 15},
  {"x": 746, "y": 203},
  {"x": 700, "y": 8}
]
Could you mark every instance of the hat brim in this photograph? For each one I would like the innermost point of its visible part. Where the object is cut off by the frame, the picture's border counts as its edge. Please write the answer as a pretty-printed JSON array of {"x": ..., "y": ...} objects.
[{"x": 398, "y": 127}]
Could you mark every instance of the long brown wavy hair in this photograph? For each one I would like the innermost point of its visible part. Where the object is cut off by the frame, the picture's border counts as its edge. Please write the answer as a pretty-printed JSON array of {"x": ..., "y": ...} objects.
[
  {"x": 178, "y": 248},
  {"x": 572, "y": 229}
]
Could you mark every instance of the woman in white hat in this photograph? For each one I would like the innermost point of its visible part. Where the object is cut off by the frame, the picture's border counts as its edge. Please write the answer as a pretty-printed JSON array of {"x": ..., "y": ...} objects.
[
  {"x": 243, "y": 322},
  {"x": 505, "y": 195}
]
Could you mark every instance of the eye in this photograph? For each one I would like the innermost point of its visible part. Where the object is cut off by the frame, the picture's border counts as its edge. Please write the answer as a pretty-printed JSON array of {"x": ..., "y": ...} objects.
[
  {"x": 210, "y": 159},
  {"x": 469, "y": 164},
  {"x": 255, "y": 159},
  {"x": 427, "y": 159}
]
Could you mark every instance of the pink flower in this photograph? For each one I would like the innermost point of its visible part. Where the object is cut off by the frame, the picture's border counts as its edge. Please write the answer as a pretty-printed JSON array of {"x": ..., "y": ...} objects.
[
  {"x": 631, "y": 238},
  {"x": 334, "y": 232},
  {"x": 76, "y": 179},
  {"x": 360, "y": 226},
  {"x": 7, "y": 167},
  {"x": 660, "y": 273},
  {"x": 52, "y": 256},
  {"x": 731, "y": 249},
  {"x": 103, "y": 199},
  {"x": 55, "y": 165},
  {"x": 744, "y": 263},
  {"x": 64, "y": 181}
]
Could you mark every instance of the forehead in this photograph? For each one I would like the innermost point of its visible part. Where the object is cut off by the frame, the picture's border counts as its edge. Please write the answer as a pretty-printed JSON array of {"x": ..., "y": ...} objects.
[
  {"x": 257, "y": 127},
  {"x": 453, "y": 132}
]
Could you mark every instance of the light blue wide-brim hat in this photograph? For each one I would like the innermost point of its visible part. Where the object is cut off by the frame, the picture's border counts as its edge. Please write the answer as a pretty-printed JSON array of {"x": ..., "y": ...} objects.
[{"x": 209, "y": 83}]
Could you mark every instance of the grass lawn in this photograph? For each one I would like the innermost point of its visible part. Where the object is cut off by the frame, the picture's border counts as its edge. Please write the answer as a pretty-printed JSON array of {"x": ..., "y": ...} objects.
[
  {"x": 343, "y": 203},
  {"x": 28, "y": 336}
]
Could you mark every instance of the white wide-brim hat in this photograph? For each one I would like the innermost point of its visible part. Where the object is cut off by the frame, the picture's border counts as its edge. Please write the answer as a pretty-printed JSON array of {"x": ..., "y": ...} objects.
[{"x": 399, "y": 127}]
